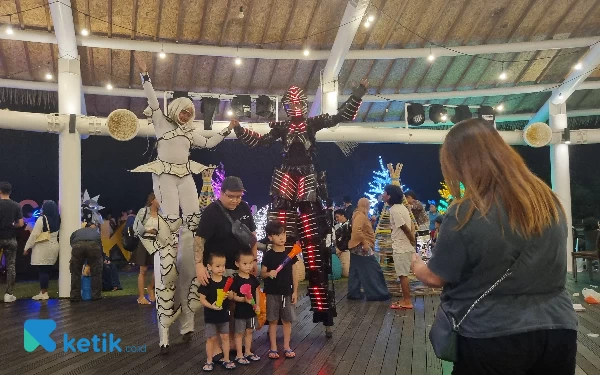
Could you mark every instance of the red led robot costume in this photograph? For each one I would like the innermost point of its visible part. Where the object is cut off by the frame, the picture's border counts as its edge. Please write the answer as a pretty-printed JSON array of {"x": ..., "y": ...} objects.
[{"x": 297, "y": 192}]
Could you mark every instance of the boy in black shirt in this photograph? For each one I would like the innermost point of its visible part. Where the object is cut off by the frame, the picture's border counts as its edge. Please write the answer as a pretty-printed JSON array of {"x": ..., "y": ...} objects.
[
  {"x": 281, "y": 288},
  {"x": 216, "y": 315},
  {"x": 245, "y": 313}
]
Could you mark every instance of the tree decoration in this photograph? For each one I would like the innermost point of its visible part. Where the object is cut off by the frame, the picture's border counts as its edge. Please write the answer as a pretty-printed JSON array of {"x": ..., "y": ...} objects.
[{"x": 217, "y": 180}]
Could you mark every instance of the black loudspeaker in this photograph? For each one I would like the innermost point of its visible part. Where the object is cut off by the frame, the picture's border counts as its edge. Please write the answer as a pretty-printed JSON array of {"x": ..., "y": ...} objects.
[
  {"x": 241, "y": 106},
  {"x": 209, "y": 106},
  {"x": 416, "y": 114},
  {"x": 265, "y": 107}
]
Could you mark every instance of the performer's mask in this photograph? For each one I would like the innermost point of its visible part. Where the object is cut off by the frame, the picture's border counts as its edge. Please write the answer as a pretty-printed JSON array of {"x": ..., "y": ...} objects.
[
  {"x": 295, "y": 102},
  {"x": 177, "y": 106}
]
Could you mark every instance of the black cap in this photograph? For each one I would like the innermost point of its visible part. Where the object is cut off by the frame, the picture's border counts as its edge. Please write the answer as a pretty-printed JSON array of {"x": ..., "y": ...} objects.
[{"x": 232, "y": 183}]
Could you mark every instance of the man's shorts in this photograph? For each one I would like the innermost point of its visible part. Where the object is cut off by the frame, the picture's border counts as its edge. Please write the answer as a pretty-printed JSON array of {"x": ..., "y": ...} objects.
[
  {"x": 280, "y": 307},
  {"x": 402, "y": 263},
  {"x": 241, "y": 325},
  {"x": 214, "y": 329}
]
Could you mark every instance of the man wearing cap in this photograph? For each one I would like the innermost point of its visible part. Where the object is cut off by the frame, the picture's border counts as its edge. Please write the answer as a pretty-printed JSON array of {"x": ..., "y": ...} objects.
[{"x": 215, "y": 234}]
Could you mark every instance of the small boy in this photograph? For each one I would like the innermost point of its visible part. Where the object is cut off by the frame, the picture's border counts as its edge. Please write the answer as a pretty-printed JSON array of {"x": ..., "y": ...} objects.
[
  {"x": 281, "y": 288},
  {"x": 216, "y": 318},
  {"x": 244, "y": 314}
]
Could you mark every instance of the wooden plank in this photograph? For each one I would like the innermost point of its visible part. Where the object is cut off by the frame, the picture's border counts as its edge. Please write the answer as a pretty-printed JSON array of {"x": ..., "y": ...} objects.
[
  {"x": 419, "y": 357},
  {"x": 369, "y": 349},
  {"x": 383, "y": 341},
  {"x": 406, "y": 344},
  {"x": 434, "y": 365},
  {"x": 390, "y": 359},
  {"x": 585, "y": 365}
]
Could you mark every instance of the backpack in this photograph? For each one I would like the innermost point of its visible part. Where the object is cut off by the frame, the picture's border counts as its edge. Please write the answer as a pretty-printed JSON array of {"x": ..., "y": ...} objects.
[{"x": 129, "y": 238}]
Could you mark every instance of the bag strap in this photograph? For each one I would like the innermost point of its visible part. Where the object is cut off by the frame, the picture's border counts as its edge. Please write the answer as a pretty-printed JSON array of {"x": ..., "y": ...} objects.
[
  {"x": 45, "y": 224},
  {"x": 225, "y": 211},
  {"x": 506, "y": 274}
]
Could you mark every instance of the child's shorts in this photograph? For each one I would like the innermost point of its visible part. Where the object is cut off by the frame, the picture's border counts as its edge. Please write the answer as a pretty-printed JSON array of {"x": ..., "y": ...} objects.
[
  {"x": 280, "y": 307},
  {"x": 241, "y": 325},
  {"x": 214, "y": 329}
]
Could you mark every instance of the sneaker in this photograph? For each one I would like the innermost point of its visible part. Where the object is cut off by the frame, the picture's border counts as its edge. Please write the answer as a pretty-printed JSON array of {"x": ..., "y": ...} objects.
[
  {"x": 9, "y": 298},
  {"x": 40, "y": 297}
]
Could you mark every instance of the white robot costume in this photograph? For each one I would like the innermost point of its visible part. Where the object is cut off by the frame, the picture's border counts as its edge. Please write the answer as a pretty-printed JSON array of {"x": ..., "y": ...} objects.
[{"x": 175, "y": 188}]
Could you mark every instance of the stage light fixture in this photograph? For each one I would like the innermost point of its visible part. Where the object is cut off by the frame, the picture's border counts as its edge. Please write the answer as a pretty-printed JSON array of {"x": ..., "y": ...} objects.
[
  {"x": 416, "y": 114},
  {"x": 240, "y": 106},
  {"x": 209, "y": 106},
  {"x": 487, "y": 113},
  {"x": 265, "y": 107},
  {"x": 461, "y": 113},
  {"x": 437, "y": 113}
]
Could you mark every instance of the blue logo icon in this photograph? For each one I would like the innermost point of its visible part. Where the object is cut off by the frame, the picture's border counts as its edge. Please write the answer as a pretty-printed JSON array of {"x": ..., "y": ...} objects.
[{"x": 37, "y": 333}]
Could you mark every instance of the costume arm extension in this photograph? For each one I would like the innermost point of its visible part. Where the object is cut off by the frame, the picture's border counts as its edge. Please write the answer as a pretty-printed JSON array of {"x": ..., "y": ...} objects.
[
  {"x": 253, "y": 139},
  {"x": 346, "y": 113}
]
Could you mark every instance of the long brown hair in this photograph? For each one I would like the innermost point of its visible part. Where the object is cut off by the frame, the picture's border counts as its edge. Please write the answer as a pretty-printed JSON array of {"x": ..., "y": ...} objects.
[
  {"x": 151, "y": 198},
  {"x": 491, "y": 172}
]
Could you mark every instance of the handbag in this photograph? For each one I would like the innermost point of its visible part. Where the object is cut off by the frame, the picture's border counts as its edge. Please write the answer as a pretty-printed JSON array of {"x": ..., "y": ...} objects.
[
  {"x": 444, "y": 330},
  {"x": 239, "y": 230},
  {"x": 45, "y": 235}
]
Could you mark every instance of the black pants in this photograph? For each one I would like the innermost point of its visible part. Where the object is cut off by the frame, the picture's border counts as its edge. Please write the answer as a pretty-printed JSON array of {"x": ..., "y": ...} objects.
[
  {"x": 110, "y": 277},
  {"x": 44, "y": 272},
  {"x": 91, "y": 252},
  {"x": 531, "y": 353}
]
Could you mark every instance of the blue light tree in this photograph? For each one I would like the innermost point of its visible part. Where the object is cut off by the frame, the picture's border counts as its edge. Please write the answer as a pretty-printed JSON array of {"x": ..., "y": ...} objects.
[{"x": 381, "y": 179}]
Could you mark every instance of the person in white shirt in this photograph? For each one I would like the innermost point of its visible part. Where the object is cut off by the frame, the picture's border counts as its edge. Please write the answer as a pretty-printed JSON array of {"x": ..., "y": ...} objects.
[{"x": 403, "y": 241}]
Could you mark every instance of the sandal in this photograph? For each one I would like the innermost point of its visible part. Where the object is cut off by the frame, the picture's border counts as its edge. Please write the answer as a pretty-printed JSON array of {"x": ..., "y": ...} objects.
[
  {"x": 242, "y": 361},
  {"x": 289, "y": 353},
  {"x": 143, "y": 301},
  {"x": 399, "y": 306},
  {"x": 273, "y": 354},
  {"x": 208, "y": 367},
  {"x": 151, "y": 296},
  {"x": 253, "y": 357},
  {"x": 229, "y": 365}
]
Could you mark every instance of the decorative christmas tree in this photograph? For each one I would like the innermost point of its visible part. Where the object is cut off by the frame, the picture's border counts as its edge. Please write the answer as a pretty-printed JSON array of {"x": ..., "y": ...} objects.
[
  {"x": 447, "y": 198},
  {"x": 260, "y": 219},
  {"x": 217, "y": 180},
  {"x": 381, "y": 179},
  {"x": 207, "y": 194}
]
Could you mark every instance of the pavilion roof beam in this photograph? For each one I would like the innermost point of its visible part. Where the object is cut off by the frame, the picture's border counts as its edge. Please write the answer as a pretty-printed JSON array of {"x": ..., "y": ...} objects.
[
  {"x": 382, "y": 54},
  {"x": 573, "y": 82}
]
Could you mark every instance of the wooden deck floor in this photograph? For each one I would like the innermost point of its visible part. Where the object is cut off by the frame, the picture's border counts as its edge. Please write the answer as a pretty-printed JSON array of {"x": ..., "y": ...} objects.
[{"x": 369, "y": 338}]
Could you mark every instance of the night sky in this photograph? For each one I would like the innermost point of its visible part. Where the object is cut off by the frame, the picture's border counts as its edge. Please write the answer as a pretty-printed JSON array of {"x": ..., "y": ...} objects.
[{"x": 30, "y": 163}]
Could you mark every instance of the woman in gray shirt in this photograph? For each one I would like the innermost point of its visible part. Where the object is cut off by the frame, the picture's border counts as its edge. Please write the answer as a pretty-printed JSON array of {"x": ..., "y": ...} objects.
[{"x": 507, "y": 218}]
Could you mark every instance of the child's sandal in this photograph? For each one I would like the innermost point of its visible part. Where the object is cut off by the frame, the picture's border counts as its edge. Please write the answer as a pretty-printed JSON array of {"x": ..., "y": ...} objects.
[
  {"x": 208, "y": 367},
  {"x": 273, "y": 354},
  {"x": 242, "y": 361},
  {"x": 229, "y": 365},
  {"x": 289, "y": 353},
  {"x": 253, "y": 357}
]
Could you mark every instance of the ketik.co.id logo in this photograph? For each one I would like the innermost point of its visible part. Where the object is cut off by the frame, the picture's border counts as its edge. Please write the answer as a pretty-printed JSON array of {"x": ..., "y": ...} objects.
[{"x": 37, "y": 333}]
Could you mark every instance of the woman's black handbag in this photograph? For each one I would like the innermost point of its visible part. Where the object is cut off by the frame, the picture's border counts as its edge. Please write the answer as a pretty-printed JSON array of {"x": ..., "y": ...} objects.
[
  {"x": 240, "y": 230},
  {"x": 444, "y": 330}
]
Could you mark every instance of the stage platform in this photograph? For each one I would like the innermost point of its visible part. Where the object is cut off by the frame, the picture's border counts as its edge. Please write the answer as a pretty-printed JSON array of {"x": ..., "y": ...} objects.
[{"x": 369, "y": 338}]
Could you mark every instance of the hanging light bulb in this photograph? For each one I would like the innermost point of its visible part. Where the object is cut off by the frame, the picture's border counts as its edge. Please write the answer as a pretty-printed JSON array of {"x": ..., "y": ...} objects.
[
  {"x": 238, "y": 61},
  {"x": 48, "y": 76},
  {"x": 9, "y": 30},
  {"x": 162, "y": 54},
  {"x": 85, "y": 32},
  {"x": 229, "y": 112},
  {"x": 109, "y": 86},
  {"x": 367, "y": 24},
  {"x": 241, "y": 13},
  {"x": 500, "y": 107},
  {"x": 371, "y": 18},
  {"x": 306, "y": 52},
  {"x": 431, "y": 57},
  {"x": 578, "y": 66},
  {"x": 502, "y": 76}
]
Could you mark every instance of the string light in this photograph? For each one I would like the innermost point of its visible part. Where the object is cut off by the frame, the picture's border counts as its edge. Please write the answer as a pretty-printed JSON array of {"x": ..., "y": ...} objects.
[
  {"x": 85, "y": 32},
  {"x": 48, "y": 76},
  {"x": 109, "y": 86}
]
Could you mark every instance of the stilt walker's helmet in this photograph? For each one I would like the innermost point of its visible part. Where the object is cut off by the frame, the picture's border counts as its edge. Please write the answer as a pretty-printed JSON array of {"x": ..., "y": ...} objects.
[{"x": 294, "y": 96}]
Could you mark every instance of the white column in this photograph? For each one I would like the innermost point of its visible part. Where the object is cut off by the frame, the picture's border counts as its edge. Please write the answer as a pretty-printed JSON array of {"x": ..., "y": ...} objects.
[
  {"x": 560, "y": 174},
  {"x": 69, "y": 166},
  {"x": 330, "y": 98}
]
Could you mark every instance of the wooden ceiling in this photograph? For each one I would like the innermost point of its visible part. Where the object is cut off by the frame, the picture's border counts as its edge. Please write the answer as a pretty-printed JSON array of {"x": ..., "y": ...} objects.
[{"x": 294, "y": 24}]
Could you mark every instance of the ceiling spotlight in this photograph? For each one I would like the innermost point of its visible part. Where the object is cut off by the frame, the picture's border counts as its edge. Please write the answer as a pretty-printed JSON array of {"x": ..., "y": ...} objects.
[
  {"x": 85, "y": 32},
  {"x": 438, "y": 113},
  {"x": 367, "y": 24},
  {"x": 162, "y": 54},
  {"x": 431, "y": 57},
  {"x": 306, "y": 52},
  {"x": 238, "y": 61},
  {"x": 487, "y": 113},
  {"x": 461, "y": 113},
  {"x": 229, "y": 112},
  {"x": 500, "y": 107},
  {"x": 578, "y": 66},
  {"x": 502, "y": 76},
  {"x": 109, "y": 86},
  {"x": 371, "y": 18},
  {"x": 416, "y": 114},
  {"x": 241, "y": 13},
  {"x": 9, "y": 30},
  {"x": 48, "y": 76}
]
